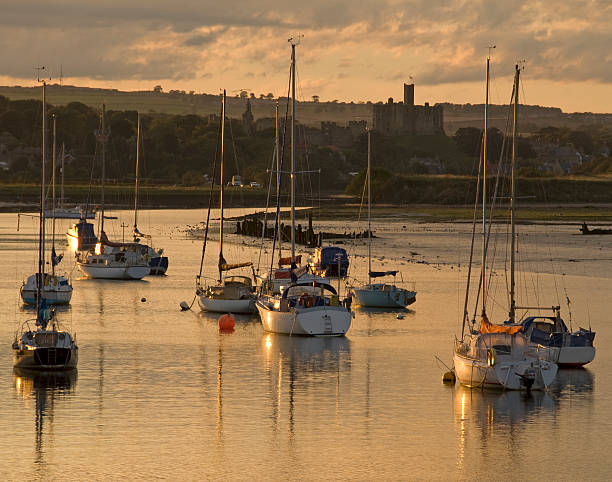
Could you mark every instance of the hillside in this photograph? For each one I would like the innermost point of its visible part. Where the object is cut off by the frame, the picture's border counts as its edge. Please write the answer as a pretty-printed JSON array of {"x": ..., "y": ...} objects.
[{"x": 309, "y": 113}]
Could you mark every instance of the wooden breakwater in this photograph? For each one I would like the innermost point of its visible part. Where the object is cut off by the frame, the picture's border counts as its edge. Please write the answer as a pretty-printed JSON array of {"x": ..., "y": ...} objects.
[{"x": 252, "y": 225}]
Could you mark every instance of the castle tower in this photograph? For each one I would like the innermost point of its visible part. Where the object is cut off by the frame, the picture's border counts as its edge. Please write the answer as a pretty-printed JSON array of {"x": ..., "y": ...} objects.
[{"x": 409, "y": 94}]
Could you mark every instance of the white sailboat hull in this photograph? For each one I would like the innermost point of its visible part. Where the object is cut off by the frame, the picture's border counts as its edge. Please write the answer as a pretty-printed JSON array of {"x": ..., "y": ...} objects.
[
  {"x": 384, "y": 298},
  {"x": 315, "y": 321},
  {"x": 477, "y": 373},
  {"x": 570, "y": 356},
  {"x": 55, "y": 291},
  {"x": 226, "y": 306},
  {"x": 114, "y": 272},
  {"x": 51, "y": 296}
]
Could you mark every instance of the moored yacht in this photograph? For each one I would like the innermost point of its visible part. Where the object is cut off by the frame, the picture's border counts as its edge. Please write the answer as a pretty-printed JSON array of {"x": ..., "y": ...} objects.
[
  {"x": 44, "y": 347},
  {"x": 304, "y": 307},
  {"x": 230, "y": 294},
  {"x": 494, "y": 355},
  {"x": 380, "y": 295},
  {"x": 114, "y": 260}
]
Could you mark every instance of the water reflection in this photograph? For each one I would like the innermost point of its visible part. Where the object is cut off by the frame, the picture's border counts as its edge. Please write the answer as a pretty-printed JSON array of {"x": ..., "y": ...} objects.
[
  {"x": 573, "y": 381},
  {"x": 487, "y": 414},
  {"x": 45, "y": 388},
  {"x": 298, "y": 366}
]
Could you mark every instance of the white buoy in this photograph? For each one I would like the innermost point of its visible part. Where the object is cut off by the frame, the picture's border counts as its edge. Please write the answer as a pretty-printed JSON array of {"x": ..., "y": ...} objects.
[
  {"x": 184, "y": 306},
  {"x": 400, "y": 316}
]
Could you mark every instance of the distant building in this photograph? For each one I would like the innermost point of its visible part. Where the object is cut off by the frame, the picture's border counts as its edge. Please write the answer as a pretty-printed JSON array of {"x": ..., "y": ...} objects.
[
  {"x": 248, "y": 121},
  {"x": 407, "y": 118}
]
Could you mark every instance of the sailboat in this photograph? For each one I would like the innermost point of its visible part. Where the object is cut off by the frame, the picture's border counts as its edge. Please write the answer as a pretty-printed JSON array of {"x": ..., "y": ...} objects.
[
  {"x": 60, "y": 211},
  {"x": 230, "y": 294},
  {"x": 304, "y": 307},
  {"x": 56, "y": 289},
  {"x": 498, "y": 356},
  {"x": 111, "y": 260},
  {"x": 380, "y": 295},
  {"x": 45, "y": 346},
  {"x": 549, "y": 333},
  {"x": 157, "y": 261}
]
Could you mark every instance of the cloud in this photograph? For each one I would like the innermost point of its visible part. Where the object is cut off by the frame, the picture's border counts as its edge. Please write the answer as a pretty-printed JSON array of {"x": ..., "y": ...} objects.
[{"x": 373, "y": 43}]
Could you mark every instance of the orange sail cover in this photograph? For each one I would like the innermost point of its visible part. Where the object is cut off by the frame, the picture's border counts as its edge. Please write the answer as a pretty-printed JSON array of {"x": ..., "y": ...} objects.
[{"x": 487, "y": 327}]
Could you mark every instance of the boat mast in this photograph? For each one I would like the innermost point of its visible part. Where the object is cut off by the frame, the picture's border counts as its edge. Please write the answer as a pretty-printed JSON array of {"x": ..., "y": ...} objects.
[
  {"x": 136, "y": 184},
  {"x": 221, "y": 190},
  {"x": 103, "y": 168},
  {"x": 53, "y": 200},
  {"x": 278, "y": 173},
  {"x": 369, "y": 209},
  {"x": 513, "y": 193},
  {"x": 41, "y": 226},
  {"x": 484, "y": 189},
  {"x": 62, "y": 180},
  {"x": 293, "y": 43}
]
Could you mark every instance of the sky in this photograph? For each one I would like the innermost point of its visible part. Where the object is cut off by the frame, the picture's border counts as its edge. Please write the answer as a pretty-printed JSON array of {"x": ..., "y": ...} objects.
[{"x": 349, "y": 50}]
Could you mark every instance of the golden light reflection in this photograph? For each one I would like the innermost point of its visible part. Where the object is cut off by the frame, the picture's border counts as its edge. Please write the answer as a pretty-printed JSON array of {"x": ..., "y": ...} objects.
[
  {"x": 268, "y": 341},
  {"x": 74, "y": 244},
  {"x": 98, "y": 249}
]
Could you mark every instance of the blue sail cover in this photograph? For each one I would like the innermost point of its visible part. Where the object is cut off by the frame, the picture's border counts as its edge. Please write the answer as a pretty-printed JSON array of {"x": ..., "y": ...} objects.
[
  {"x": 379, "y": 274},
  {"x": 329, "y": 260}
]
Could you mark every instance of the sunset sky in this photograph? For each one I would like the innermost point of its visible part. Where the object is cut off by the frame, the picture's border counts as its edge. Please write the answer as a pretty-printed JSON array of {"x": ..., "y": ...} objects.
[{"x": 351, "y": 50}]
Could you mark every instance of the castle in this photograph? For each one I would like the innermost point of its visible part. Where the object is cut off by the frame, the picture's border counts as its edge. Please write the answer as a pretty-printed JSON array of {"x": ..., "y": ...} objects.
[{"x": 407, "y": 118}]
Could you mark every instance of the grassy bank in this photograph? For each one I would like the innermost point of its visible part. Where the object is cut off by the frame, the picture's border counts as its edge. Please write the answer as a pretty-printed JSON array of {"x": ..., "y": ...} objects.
[
  {"x": 14, "y": 196},
  {"x": 426, "y": 198}
]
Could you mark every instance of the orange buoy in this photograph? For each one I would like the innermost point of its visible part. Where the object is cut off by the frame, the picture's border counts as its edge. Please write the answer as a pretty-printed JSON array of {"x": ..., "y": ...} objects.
[{"x": 226, "y": 323}]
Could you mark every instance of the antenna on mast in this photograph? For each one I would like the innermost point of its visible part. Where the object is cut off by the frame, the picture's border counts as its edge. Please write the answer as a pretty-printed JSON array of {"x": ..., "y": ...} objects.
[
  {"x": 38, "y": 71},
  {"x": 296, "y": 40},
  {"x": 491, "y": 47}
]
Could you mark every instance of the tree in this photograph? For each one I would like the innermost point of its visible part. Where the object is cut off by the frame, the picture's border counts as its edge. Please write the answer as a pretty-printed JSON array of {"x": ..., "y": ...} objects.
[
  {"x": 315, "y": 98},
  {"x": 157, "y": 88},
  {"x": 468, "y": 140}
]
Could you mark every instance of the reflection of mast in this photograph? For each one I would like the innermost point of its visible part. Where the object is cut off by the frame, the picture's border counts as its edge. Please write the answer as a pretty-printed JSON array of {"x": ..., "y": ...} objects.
[
  {"x": 44, "y": 387},
  {"x": 219, "y": 394}
]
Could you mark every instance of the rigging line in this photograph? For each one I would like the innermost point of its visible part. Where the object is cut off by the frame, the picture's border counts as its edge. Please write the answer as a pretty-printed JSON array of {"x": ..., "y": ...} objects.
[
  {"x": 353, "y": 250},
  {"x": 280, "y": 184},
  {"x": 469, "y": 273},
  {"x": 210, "y": 196},
  {"x": 306, "y": 145},
  {"x": 265, "y": 222},
  {"x": 493, "y": 204},
  {"x": 235, "y": 161}
]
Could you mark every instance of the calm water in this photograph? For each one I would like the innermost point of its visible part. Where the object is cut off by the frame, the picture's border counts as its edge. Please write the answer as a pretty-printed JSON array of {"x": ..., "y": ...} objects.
[{"x": 160, "y": 393}]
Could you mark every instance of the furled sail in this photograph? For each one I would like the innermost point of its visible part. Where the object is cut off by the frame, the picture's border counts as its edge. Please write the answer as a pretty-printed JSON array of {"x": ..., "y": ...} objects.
[
  {"x": 378, "y": 274},
  {"x": 287, "y": 261},
  {"x": 225, "y": 266},
  {"x": 487, "y": 327}
]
